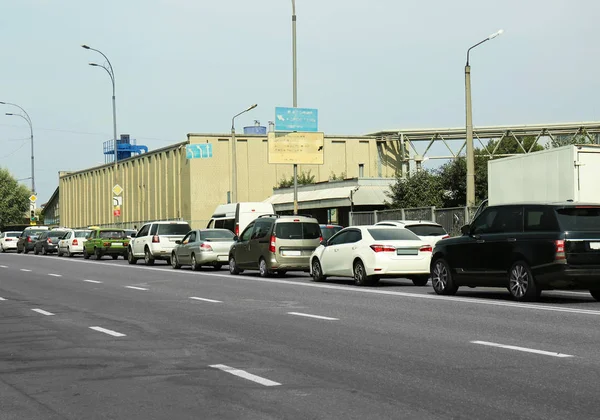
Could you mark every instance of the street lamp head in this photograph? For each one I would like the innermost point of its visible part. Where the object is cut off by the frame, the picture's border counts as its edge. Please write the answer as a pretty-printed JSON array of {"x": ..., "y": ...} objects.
[
  {"x": 85, "y": 46},
  {"x": 252, "y": 107},
  {"x": 494, "y": 35},
  {"x": 9, "y": 113},
  {"x": 3, "y": 103},
  {"x": 94, "y": 64}
]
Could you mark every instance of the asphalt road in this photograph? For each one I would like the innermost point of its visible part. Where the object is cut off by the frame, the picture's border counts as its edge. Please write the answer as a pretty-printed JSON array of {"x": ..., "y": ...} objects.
[{"x": 106, "y": 340}]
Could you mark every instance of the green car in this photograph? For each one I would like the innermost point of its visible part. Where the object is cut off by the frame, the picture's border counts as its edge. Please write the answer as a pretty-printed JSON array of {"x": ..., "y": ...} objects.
[{"x": 101, "y": 242}]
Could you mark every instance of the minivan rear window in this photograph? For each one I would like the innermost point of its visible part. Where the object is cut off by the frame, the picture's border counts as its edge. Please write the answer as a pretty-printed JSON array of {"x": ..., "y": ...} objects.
[
  {"x": 296, "y": 230},
  {"x": 581, "y": 218},
  {"x": 228, "y": 224},
  {"x": 173, "y": 229},
  {"x": 427, "y": 230},
  {"x": 393, "y": 235}
]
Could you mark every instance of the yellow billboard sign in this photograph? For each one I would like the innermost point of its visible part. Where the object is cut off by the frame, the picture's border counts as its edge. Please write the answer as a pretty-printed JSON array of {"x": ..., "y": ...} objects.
[{"x": 300, "y": 148}]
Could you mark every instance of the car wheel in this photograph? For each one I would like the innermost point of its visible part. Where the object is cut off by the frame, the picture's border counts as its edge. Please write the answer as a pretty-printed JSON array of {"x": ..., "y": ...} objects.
[
  {"x": 420, "y": 280},
  {"x": 25, "y": 250},
  {"x": 3, "y": 250},
  {"x": 521, "y": 283},
  {"x": 58, "y": 253},
  {"x": 195, "y": 265},
  {"x": 148, "y": 260},
  {"x": 233, "y": 268},
  {"x": 217, "y": 267},
  {"x": 97, "y": 253},
  {"x": 19, "y": 250},
  {"x": 35, "y": 251},
  {"x": 360, "y": 275},
  {"x": 130, "y": 258},
  {"x": 441, "y": 278},
  {"x": 69, "y": 254},
  {"x": 114, "y": 257},
  {"x": 44, "y": 251},
  {"x": 263, "y": 269},
  {"x": 175, "y": 262},
  {"x": 595, "y": 294},
  {"x": 317, "y": 271},
  {"x": 86, "y": 256}
]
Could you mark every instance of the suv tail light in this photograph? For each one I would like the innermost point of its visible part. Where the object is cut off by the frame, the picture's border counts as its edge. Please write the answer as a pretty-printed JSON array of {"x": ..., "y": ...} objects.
[
  {"x": 445, "y": 237},
  {"x": 237, "y": 230},
  {"x": 75, "y": 243},
  {"x": 560, "y": 249},
  {"x": 205, "y": 247},
  {"x": 383, "y": 248},
  {"x": 272, "y": 244},
  {"x": 426, "y": 248},
  {"x": 155, "y": 239}
]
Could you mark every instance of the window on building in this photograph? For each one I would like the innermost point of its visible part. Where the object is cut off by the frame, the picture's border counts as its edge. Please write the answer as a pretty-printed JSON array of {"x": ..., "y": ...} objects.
[{"x": 361, "y": 170}]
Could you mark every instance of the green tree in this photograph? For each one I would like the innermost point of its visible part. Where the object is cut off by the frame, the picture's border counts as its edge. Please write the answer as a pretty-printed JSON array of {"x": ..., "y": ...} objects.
[
  {"x": 14, "y": 199},
  {"x": 453, "y": 177},
  {"x": 565, "y": 140},
  {"x": 304, "y": 178},
  {"x": 421, "y": 189}
]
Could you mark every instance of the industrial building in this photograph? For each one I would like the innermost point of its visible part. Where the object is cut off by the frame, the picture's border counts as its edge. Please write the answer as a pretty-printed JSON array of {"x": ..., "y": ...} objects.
[{"x": 188, "y": 180}]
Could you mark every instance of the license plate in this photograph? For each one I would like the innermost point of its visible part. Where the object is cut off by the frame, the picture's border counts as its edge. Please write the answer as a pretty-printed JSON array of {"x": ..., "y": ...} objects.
[
  {"x": 407, "y": 251},
  {"x": 291, "y": 253},
  {"x": 594, "y": 245},
  {"x": 222, "y": 258},
  {"x": 117, "y": 244}
]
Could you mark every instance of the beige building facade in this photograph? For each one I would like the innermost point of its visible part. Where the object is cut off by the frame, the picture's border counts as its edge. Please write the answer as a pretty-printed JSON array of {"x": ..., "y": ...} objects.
[{"x": 164, "y": 184}]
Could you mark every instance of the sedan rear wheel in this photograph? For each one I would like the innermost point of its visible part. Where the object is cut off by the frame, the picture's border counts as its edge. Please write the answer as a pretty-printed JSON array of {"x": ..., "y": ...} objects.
[
  {"x": 521, "y": 283},
  {"x": 175, "y": 262},
  {"x": 86, "y": 256},
  {"x": 97, "y": 253},
  {"x": 441, "y": 278},
  {"x": 195, "y": 265},
  {"x": 360, "y": 275},
  {"x": 69, "y": 254}
]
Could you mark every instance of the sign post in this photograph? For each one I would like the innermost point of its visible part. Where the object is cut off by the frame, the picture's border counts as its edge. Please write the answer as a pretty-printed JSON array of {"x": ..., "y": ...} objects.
[{"x": 117, "y": 200}]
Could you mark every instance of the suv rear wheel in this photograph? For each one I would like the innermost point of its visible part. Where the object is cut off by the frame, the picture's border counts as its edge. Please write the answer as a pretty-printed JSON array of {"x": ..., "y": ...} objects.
[
  {"x": 130, "y": 258},
  {"x": 233, "y": 268},
  {"x": 148, "y": 259},
  {"x": 521, "y": 283},
  {"x": 441, "y": 278}
]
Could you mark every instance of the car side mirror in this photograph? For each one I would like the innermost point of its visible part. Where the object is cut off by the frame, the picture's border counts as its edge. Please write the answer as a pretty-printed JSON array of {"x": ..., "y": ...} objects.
[
  {"x": 236, "y": 238},
  {"x": 178, "y": 242},
  {"x": 465, "y": 230},
  {"x": 324, "y": 243},
  {"x": 132, "y": 235}
]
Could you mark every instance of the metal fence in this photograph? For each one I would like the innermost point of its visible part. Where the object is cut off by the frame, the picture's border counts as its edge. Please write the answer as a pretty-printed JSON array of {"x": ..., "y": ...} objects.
[{"x": 452, "y": 219}]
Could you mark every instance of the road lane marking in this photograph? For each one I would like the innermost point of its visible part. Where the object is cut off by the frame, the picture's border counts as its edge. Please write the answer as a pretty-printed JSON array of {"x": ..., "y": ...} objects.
[
  {"x": 109, "y": 332},
  {"x": 25, "y": 270},
  {"x": 135, "y": 288},
  {"x": 455, "y": 299},
  {"x": 245, "y": 375},
  {"x": 41, "y": 311},
  {"x": 206, "y": 300},
  {"x": 524, "y": 349},
  {"x": 55, "y": 275},
  {"x": 93, "y": 281},
  {"x": 313, "y": 316},
  {"x": 1, "y": 298},
  {"x": 3, "y": 266}
]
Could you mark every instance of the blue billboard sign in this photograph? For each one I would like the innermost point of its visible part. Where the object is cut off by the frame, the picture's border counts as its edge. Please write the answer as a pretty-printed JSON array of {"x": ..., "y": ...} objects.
[
  {"x": 198, "y": 151},
  {"x": 296, "y": 119}
]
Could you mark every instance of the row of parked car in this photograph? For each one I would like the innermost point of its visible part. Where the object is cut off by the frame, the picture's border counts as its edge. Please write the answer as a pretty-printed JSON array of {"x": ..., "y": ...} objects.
[{"x": 525, "y": 248}]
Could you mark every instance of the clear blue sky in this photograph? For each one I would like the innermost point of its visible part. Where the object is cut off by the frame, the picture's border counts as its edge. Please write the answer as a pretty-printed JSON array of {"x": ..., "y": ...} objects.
[{"x": 188, "y": 65}]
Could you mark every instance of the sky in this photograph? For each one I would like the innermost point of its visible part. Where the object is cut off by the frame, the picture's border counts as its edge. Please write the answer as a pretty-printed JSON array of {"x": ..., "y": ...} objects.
[{"x": 188, "y": 66}]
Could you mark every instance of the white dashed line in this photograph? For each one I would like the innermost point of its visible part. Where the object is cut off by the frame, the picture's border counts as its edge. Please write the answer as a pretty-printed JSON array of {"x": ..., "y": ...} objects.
[
  {"x": 109, "y": 332},
  {"x": 326, "y": 318},
  {"x": 206, "y": 300},
  {"x": 1, "y": 298},
  {"x": 93, "y": 281},
  {"x": 135, "y": 288},
  {"x": 55, "y": 275},
  {"x": 245, "y": 375},
  {"x": 3, "y": 266},
  {"x": 524, "y": 349},
  {"x": 41, "y": 311},
  {"x": 25, "y": 270}
]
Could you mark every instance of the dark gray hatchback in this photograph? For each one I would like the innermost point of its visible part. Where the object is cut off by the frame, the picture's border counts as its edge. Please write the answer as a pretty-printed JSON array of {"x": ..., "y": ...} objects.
[{"x": 526, "y": 248}]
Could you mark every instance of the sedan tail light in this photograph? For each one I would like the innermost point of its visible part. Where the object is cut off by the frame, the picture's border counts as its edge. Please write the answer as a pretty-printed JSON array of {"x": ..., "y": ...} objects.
[
  {"x": 205, "y": 247},
  {"x": 49, "y": 240},
  {"x": 272, "y": 244},
  {"x": 426, "y": 248},
  {"x": 75, "y": 243},
  {"x": 383, "y": 248},
  {"x": 29, "y": 239},
  {"x": 560, "y": 250},
  {"x": 8, "y": 239},
  {"x": 106, "y": 243},
  {"x": 155, "y": 239}
]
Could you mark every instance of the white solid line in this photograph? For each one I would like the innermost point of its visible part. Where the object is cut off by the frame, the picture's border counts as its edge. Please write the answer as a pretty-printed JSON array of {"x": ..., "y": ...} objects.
[
  {"x": 1, "y": 298},
  {"x": 26, "y": 270},
  {"x": 313, "y": 316},
  {"x": 136, "y": 288},
  {"x": 93, "y": 281},
  {"x": 206, "y": 300},
  {"x": 3, "y": 266},
  {"x": 109, "y": 332},
  {"x": 525, "y": 349},
  {"x": 245, "y": 375},
  {"x": 55, "y": 275},
  {"x": 41, "y": 311}
]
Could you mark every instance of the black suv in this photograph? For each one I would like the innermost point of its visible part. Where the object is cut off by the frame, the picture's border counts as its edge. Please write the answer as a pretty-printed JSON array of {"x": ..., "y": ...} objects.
[{"x": 526, "y": 248}]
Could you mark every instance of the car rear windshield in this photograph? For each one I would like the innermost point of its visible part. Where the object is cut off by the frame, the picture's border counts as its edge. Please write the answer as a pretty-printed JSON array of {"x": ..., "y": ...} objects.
[
  {"x": 392, "y": 235},
  {"x": 173, "y": 229},
  {"x": 13, "y": 234},
  {"x": 112, "y": 234},
  {"x": 56, "y": 233},
  {"x": 296, "y": 230},
  {"x": 579, "y": 218},
  {"x": 82, "y": 234},
  {"x": 427, "y": 230},
  {"x": 329, "y": 231},
  {"x": 216, "y": 234},
  {"x": 32, "y": 232}
]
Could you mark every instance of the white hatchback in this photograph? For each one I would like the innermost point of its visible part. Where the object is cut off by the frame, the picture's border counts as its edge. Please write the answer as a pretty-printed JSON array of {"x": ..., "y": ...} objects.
[
  {"x": 428, "y": 231},
  {"x": 368, "y": 253}
]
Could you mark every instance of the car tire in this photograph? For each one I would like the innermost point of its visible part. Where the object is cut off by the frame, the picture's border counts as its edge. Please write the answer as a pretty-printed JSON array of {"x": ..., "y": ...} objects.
[
  {"x": 86, "y": 256},
  {"x": 35, "y": 251},
  {"x": 420, "y": 280},
  {"x": 595, "y": 294},
  {"x": 168, "y": 261},
  {"x": 217, "y": 267},
  {"x": 3, "y": 250},
  {"x": 175, "y": 262},
  {"x": 19, "y": 250},
  {"x": 114, "y": 257},
  {"x": 263, "y": 269},
  {"x": 97, "y": 254},
  {"x": 441, "y": 278},
  {"x": 44, "y": 251},
  {"x": 58, "y": 253},
  {"x": 233, "y": 268},
  {"x": 130, "y": 258},
  {"x": 69, "y": 254},
  {"x": 25, "y": 250},
  {"x": 521, "y": 283},
  {"x": 195, "y": 265},
  {"x": 148, "y": 260},
  {"x": 317, "y": 271},
  {"x": 360, "y": 275}
]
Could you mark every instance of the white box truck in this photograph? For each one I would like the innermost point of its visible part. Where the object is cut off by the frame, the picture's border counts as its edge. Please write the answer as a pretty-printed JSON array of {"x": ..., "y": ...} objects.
[{"x": 553, "y": 175}]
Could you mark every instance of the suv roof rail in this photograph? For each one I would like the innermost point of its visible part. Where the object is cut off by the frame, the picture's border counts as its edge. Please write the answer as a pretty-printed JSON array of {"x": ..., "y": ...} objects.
[{"x": 268, "y": 215}]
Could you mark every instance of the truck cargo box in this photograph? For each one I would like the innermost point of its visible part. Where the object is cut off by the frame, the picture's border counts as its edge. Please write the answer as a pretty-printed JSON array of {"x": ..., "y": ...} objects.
[{"x": 560, "y": 174}]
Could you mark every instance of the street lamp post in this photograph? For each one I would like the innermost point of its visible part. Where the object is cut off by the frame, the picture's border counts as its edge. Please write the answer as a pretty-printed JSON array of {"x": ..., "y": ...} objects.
[
  {"x": 28, "y": 119},
  {"x": 294, "y": 95},
  {"x": 469, "y": 112},
  {"x": 234, "y": 154}
]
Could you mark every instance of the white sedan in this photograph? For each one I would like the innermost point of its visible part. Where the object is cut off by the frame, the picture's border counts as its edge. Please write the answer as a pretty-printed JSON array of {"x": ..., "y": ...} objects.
[
  {"x": 368, "y": 253},
  {"x": 8, "y": 240},
  {"x": 72, "y": 242}
]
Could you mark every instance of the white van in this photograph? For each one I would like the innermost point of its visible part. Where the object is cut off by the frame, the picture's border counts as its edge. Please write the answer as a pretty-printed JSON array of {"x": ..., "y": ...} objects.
[{"x": 236, "y": 216}]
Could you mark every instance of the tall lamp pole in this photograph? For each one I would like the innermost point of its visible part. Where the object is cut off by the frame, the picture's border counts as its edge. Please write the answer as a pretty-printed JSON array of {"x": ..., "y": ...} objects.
[
  {"x": 28, "y": 119},
  {"x": 470, "y": 150},
  {"x": 109, "y": 69},
  {"x": 234, "y": 154},
  {"x": 295, "y": 95}
]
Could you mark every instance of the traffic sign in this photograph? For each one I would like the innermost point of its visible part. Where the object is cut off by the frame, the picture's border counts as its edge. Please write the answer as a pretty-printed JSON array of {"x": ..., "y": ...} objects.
[
  {"x": 296, "y": 119},
  {"x": 33, "y": 198},
  {"x": 198, "y": 151},
  {"x": 117, "y": 190},
  {"x": 117, "y": 201},
  {"x": 117, "y": 212}
]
